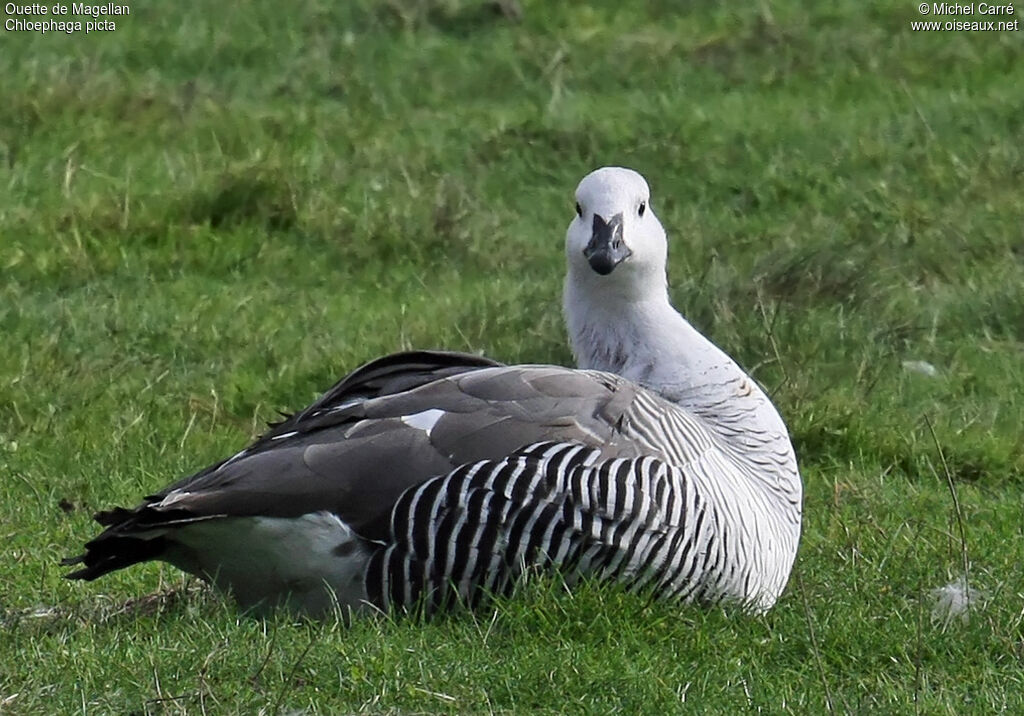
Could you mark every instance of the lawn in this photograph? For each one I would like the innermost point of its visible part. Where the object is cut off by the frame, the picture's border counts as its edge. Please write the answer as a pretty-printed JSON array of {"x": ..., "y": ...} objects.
[{"x": 210, "y": 213}]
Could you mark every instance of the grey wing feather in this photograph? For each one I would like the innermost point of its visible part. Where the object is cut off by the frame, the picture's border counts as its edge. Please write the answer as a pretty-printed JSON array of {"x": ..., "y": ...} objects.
[
  {"x": 389, "y": 375},
  {"x": 352, "y": 454}
]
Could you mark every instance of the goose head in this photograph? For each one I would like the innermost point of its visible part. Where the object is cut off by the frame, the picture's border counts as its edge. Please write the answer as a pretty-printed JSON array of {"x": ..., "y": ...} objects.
[{"x": 615, "y": 243}]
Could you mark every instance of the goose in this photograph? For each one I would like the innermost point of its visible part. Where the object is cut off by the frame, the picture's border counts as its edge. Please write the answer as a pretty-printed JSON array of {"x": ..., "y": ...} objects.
[{"x": 433, "y": 478}]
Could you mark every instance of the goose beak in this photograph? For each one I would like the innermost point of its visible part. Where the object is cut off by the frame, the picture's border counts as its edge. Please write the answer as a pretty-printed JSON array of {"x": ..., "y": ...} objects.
[{"x": 606, "y": 249}]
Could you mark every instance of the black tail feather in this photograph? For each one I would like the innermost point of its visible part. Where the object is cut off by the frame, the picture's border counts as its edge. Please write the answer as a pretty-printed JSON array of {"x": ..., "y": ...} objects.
[
  {"x": 109, "y": 553},
  {"x": 128, "y": 539}
]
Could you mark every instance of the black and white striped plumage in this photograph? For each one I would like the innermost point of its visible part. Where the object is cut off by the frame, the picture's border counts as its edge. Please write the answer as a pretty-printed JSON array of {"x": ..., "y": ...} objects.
[
  {"x": 473, "y": 531},
  {"x": 438, "y": 478}
]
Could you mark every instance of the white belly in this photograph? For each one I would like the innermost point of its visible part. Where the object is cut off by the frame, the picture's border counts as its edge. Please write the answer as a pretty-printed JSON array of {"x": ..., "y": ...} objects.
[{"x": 310, "y": 564}]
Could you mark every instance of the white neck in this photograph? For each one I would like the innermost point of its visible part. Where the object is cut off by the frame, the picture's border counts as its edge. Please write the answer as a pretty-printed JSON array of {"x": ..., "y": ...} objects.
[{"x": 644, "y": 339}]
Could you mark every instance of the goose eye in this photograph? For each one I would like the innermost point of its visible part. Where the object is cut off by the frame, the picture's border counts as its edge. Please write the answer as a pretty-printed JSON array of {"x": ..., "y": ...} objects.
[
  {"x": 642, "y": 208},
  {"x": 579, "y": 210}
]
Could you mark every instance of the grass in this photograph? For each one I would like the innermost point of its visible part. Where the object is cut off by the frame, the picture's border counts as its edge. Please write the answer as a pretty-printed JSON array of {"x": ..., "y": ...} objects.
[{"x": 212, "y": 212}]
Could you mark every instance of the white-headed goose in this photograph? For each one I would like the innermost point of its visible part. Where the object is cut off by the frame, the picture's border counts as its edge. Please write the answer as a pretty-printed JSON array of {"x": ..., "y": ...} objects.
[{"x": 442, "y": 476}]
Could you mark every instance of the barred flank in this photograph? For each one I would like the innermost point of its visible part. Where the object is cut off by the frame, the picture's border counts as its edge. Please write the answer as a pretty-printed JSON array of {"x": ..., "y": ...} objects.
[{"x": 473, "y": 531}]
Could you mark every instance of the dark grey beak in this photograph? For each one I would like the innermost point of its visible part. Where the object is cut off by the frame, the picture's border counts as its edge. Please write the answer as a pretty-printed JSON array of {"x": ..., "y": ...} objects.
[{"x": 606, "y": 249}]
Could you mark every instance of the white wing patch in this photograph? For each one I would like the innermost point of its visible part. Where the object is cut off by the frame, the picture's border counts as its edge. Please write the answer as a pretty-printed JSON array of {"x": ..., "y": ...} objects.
[
  {"x": 425, "y": 420},
  {"x": 174, "y": 496}
]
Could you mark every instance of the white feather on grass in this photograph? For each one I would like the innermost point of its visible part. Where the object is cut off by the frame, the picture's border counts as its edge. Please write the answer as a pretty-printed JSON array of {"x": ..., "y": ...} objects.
[{"x": 955, "y": 600}]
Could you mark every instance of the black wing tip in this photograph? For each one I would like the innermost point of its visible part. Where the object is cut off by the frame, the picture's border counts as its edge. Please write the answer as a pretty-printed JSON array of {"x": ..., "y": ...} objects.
[
  {"x": 114, "y": 516},
  {"x": 91, "y": 573},
  {"x": 430, "y": 356},
  {"x": 109, "y": 554},
  {"x": 87, "y": 573},
  {"x": 117, "y": 546},
  {"x": 285, "y": 417}
]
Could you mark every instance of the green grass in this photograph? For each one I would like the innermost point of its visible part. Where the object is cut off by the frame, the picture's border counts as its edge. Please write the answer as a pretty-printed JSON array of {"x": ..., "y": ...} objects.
[{"x": 213, "y": 212}]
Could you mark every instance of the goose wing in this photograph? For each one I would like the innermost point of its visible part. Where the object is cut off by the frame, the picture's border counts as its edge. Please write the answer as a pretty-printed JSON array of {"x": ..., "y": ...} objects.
[{"x": 387, "y": 426}]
